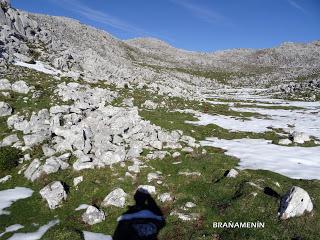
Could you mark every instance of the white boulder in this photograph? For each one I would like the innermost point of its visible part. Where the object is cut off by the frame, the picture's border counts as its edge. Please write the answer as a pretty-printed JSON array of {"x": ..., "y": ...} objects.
[
  {"x": 165, "y": 197},
  {"x": 115, "y": 198},
  {"x": 299, "y": 137},
  {"x": 77, "y": 180},
  {"x": 5, "y": 84},
  {"x": 285, "y": 141},
  {"x": 54, "y": 193},
  {"x": 20, "y": 87},
  {"x": 5, "y": 109},
  {"x": 295, "y": 203},
  {"x": 9, "y": 140},
  {"x": 93, "y": 215},
  {"x": 232, "y": 173}
]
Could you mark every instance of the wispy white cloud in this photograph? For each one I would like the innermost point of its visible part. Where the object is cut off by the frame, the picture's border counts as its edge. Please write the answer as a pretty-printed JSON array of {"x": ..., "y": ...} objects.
[
  {"x": 201, "y": 12},
  {"x": 100, "y": 17},
  {"x": 297, "y": 6}
]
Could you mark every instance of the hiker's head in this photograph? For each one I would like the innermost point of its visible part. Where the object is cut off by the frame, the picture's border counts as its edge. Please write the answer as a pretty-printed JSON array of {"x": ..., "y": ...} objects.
[{"x": 141, "y": 196}]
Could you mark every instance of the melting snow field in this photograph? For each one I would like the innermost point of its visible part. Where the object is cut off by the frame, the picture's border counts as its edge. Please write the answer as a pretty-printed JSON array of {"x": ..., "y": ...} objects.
[
  {"x": 39, "y": 66},
  {"x": 9, "y": 196},
  {"x": 95, "y": 236},
  {"x": 34, "y": 235},
  {"x": 306, "y": 120},
  {"x": 294, "y": 162},
  {"x": 11, "y": 228}
]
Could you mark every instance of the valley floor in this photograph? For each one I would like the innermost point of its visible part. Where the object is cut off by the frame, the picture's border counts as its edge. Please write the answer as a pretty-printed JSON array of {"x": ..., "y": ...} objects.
[{"x": 272, "y": 144}]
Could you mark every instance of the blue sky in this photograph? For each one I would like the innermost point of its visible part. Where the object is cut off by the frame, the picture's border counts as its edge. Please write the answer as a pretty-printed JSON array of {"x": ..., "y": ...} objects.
[{"x": 202, "y": 25}]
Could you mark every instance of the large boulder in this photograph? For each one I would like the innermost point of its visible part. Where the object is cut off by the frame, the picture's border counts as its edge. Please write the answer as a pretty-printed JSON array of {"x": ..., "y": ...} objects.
[
  {"x": 115, "y": 198},
  {"x": 54, "y": 193},
  {"x": 295, "y": 203},
  {"x": 93, "y": 215},
  {"x": 5, "y": 109}
]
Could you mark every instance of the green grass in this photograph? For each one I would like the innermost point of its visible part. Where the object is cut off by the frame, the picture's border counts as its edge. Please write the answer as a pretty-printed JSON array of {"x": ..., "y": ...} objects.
[{"x": 217, "y": 198}]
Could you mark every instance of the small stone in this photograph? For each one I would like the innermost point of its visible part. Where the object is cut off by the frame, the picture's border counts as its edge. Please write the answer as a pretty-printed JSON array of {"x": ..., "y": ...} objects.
[
  {"x": 285, "y": 141},
  {"x": 165, "y": 197},
  {"x": 5, "y": 84},
  {"x": 190, "y": 205},
  {"x": 93, "y": 215},
  {"x": 9, "y": 140},
  {"x": 299, "y": 137},
  {"x": 77, "y": 180},
  {"x": 187, "y": 149},
  {"x": 115, "y": 198},
  {"x": 5, "y": 179},
  {"x": 54, "y": 193},
  {"x": 20, "y": 87},
  {"x": 5, "y": 109},
  {"x": 152, "y": 176},
  {"x": 176, "y": 154},
  {"x": 232, "y": 173}
]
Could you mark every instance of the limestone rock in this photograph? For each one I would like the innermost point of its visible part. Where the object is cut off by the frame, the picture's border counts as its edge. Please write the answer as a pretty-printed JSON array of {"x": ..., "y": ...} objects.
[
  {"x": 232, "y": 173},
  {"x": 285, "y": 141},
  {"x": 165, "y": 197},
  {"x": 93, "y": 215},
  {"x": 5, "y": 109},
  {"x": 34, "y": 170},
  {"x": 9, "y": 140},
  {"x": 148, "y": 104},
  {"x": 299, "y": 137},
  {"x": 77, "y": 180},
  {"x": 295, "y": 203},
  {"x": 115, "y": 198},
  {"x": 20, "y": 87},
  {"x": 54, "y": 194},
  {"x": 5, "y": 84}
]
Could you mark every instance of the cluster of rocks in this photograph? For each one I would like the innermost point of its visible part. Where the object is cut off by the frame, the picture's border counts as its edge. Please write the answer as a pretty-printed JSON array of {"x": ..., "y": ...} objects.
[
  {"x": 97, "y": 135},
  {"x": 308, "y": 90},
  {"x": 295, "y": 137}
]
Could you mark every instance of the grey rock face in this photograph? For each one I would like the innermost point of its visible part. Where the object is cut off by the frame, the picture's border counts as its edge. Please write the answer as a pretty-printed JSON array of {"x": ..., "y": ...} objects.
[
  {"x": 5, "y": 109},
  {"x": 115, "y": 198},
  {"x": 93, "y": 216},
  {"x": 295, "y": 203},
  {"x": 54, "y": 194}
]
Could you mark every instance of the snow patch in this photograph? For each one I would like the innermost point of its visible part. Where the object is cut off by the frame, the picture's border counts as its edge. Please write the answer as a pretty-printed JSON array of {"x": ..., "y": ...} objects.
[
  {"x": 9, "y": 196},
  {"x": 39, "y": 66},
  {"x": 95, "y": 236},
  {"x": 11, "y": 228},
  {"x": 294, "y": 162},
  {"x": 34, "y": 235}
]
